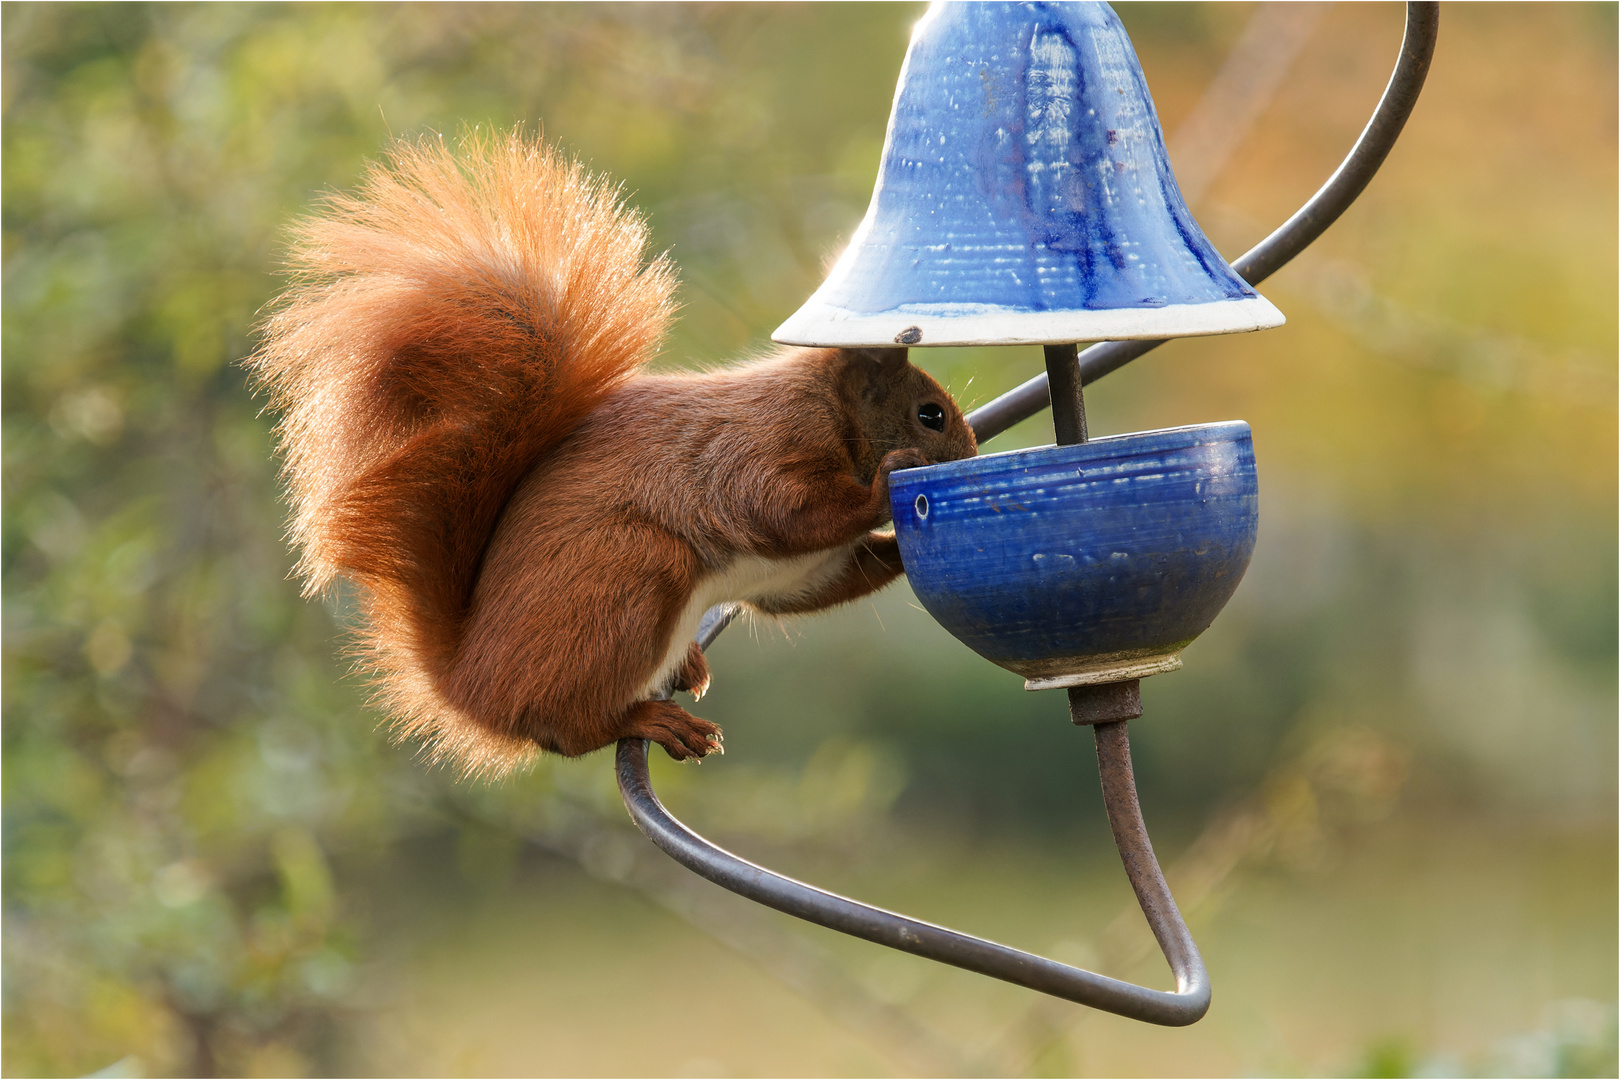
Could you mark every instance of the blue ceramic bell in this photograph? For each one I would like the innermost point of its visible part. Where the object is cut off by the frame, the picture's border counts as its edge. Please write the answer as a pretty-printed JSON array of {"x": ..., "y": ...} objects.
[{"x": 1024, "y": 196}]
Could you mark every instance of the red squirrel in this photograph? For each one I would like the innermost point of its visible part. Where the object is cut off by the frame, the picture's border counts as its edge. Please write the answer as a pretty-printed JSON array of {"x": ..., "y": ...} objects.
[{"x": 536, "y": 523}]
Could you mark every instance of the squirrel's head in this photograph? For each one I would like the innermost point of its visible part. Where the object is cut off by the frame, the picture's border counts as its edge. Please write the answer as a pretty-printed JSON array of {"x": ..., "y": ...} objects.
[{"x": 900, "y": 407}]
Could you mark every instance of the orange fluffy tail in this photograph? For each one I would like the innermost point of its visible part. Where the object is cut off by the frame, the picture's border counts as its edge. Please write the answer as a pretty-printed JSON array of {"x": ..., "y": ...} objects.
[{"x": 447, "y": 326}]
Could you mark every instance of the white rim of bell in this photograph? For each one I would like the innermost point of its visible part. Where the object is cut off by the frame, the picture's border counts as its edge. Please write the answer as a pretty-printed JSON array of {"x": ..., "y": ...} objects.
[{"x": 822, "y": 325}]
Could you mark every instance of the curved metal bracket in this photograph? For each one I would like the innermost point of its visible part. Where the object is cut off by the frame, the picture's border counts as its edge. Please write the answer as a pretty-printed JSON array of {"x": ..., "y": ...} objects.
[
  {"x": 1185, "y": 1005},
  {"x": 1190, "y": 1000}
]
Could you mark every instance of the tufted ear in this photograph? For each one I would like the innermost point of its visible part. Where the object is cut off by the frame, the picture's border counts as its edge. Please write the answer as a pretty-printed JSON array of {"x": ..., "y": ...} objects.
[
  {"x": 890, "y": 361},
  {"x": 874, "y": 370}
]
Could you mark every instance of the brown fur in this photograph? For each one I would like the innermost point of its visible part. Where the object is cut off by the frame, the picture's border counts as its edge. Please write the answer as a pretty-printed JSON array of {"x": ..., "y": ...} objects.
[{"x": 469, "y": 437}]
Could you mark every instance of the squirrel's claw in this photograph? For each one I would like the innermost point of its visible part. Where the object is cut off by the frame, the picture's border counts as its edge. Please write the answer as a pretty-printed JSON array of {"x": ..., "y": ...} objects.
[{"x": 693, "y": 674}]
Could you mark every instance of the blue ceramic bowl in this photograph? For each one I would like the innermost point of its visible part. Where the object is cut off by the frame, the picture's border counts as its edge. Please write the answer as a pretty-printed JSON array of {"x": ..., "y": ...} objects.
[{"x": 1093, "y": 563}]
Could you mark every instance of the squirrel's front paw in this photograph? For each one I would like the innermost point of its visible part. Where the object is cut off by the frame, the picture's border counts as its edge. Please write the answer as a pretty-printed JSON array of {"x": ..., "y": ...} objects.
[
  {"x": 680, "y": 733},
  {"x": 909, "y": 458},
  {"x": 693, "y": 674}
]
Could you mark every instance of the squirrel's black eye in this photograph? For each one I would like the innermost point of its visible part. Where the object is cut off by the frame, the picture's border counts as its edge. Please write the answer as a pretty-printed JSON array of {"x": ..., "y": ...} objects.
[{"x": 930, "y": 415}]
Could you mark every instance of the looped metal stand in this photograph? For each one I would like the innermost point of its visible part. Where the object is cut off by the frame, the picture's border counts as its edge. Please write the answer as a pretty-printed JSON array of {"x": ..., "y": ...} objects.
[
  {"x": 1106, "y": 708},
  {"x": 1186, "y": 1004}
]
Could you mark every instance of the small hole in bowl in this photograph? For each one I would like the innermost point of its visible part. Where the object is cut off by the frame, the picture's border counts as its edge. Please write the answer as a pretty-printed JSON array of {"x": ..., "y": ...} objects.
[{"x": 922, "y": 506}]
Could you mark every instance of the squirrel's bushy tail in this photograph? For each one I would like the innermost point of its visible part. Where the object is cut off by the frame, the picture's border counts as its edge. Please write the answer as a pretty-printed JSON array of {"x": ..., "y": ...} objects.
[{"x": 447, "y": 325}]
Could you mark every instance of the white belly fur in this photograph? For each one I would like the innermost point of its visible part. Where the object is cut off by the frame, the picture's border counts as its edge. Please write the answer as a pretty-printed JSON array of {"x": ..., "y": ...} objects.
[{"x": 749, "y": 579}]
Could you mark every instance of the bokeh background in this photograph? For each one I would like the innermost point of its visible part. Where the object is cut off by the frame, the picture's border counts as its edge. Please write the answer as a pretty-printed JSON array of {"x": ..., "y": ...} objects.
[{"x": 1384, "y": 785}]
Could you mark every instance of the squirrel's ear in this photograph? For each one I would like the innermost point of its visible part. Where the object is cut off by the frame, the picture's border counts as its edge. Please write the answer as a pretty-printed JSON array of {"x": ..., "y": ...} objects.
[
  {"x": 872, "y": 371},
  {"x": 889, "y": 361}
]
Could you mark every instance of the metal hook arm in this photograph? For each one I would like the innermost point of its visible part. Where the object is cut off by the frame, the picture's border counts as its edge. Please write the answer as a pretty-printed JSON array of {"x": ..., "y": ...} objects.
[
  {"x": 1185, "y": 1005},
  {"x": 1289, "y": 239}
]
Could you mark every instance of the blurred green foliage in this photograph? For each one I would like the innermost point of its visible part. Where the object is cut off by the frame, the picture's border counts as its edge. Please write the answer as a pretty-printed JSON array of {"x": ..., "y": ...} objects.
[{"x": 195, "y": 796}]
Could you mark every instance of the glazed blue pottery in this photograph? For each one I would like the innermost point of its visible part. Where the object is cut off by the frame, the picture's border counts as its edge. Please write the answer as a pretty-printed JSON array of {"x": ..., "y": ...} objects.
[
  {"x": 1083, "y": 564},
  {"x": 1024, "y": 196}
]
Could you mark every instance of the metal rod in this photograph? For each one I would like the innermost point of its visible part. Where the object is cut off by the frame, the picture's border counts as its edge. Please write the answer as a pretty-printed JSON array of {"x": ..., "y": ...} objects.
[
  {"x": 1068, "y": 398},
  {"x": 1293, "y": 236},
  {"x": 1136, "y": 852},
  {"x": 1185, "y": 1005}
]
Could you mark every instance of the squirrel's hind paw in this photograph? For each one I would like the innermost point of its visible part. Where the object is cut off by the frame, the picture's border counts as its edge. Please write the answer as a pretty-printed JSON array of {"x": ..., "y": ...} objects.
[
  {"x": 681, "y": 734},
  {"x": 693, "y": 675}
]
